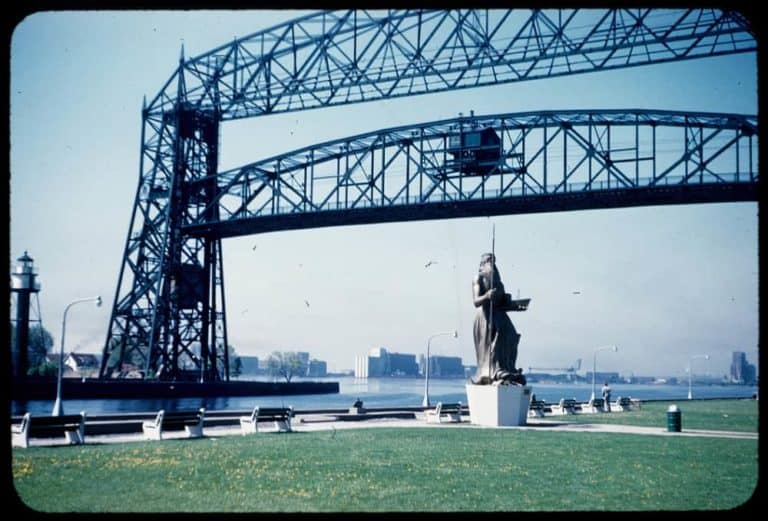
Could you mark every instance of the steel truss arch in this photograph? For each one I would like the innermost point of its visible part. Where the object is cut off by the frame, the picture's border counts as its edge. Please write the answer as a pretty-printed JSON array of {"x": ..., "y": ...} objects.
[
  {"x": 168, "y": 317},
  {"x": 543, "y": 161},
  {"x": 341, "y": 57}
]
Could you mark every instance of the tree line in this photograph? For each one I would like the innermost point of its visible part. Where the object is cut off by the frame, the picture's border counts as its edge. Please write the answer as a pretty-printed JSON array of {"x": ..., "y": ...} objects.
[{"x": 280, "y": 364}]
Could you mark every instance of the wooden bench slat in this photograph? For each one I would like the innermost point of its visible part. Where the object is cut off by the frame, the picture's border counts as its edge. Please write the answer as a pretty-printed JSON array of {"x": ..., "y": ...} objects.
[{"x": 56, "y": 420}]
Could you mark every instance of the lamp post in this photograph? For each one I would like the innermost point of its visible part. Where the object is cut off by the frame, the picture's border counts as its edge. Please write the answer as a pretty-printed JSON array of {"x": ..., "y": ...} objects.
[
  {"x": 454, "y": 334},
  {"x": 594, "y": 364},
  {"x": 57, "y": 408},
  {"x": 690, "y": 372}
]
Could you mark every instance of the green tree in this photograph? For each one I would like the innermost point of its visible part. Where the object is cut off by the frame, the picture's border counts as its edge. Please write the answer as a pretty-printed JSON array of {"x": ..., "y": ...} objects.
[
  {"x": 284, "y": 364},
  {"x": 40, "y": 344}
]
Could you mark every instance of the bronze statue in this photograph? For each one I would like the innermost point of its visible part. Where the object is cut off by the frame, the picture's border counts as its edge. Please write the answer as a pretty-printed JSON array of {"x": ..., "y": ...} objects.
[{"x": 496, "y": 339}]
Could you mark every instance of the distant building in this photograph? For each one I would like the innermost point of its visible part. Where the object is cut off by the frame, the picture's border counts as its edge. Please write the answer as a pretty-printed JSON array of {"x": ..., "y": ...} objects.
[
  {"x": 402, "y": 365},
  {"x": 442, "y": 366},
  {"x": 380, "y": 362},
  {"x": 610, "y": 377},
  {"x": 742, "y": 372},
  {"x": 317, "y": 368},
  {"x": 250, "y": 365},
  {"x": 665, "y": 380},
  {"x": 367, "y": 366},
  {"x": 568, "y": 377},
  {"x": 633, "y": 379},
  {"x": 83, "y": 364},
  {"x": 304, "y": 357}
]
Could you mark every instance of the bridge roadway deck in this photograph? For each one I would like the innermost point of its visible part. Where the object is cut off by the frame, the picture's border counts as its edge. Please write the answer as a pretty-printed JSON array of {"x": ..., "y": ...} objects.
[{"x": 314, "y": 422}]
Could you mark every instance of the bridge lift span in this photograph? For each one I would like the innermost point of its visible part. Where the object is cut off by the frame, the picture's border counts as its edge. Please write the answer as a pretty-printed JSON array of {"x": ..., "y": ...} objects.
[{"x": 169, "y": 310}]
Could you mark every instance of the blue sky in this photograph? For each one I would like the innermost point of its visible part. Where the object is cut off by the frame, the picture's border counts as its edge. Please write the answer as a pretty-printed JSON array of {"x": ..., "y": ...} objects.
[{"x": 661, "y": 283}]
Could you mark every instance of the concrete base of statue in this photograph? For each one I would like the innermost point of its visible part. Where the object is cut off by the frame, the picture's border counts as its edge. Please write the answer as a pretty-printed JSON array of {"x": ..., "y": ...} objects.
[{"x": 498, "y": 405}]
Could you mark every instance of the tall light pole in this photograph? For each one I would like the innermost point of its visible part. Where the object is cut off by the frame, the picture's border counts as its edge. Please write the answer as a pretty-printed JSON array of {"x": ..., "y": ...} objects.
[
  {"x": 690, "y": 372},
  {"x": 594, "y": 364},
  {"x": 454, "y": 334},
  {"x": 58, "y": 410}
]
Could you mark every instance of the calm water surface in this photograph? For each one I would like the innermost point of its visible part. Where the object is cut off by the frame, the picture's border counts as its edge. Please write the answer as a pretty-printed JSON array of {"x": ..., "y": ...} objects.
[{"x": 381, "y": 392}]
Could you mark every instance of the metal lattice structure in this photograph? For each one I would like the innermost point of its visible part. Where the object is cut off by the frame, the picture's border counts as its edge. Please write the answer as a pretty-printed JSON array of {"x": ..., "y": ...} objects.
[
  {"x": 168, "y": 316},
  {"x": 533, "y": 162}
]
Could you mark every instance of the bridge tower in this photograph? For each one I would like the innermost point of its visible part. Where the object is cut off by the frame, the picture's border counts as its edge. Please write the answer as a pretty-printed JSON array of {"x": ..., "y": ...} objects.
[{"x": 171, "y": 323}]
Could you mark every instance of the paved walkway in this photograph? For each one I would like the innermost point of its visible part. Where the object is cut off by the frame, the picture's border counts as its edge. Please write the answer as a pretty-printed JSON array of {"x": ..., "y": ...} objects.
[{"x": 310, "y": 424}]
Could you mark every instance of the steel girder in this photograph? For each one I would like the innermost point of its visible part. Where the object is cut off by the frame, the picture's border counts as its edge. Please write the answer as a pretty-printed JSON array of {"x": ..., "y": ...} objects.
[
  {"x": 547, "y": 161},
  {"x": 170, "y": 292},
  {"x": 340, "y": 57}
]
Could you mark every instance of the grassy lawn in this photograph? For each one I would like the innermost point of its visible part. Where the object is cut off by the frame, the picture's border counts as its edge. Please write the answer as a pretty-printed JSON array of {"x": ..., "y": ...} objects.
[
  {"x": 390, "y": 469},
  {"x": 723, "y": 415}
]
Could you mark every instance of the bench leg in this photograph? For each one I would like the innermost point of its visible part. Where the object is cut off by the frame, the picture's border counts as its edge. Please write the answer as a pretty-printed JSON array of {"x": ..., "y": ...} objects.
[
  {"x": 194, "y": 431},
  {"x": 247, "y": 427},
  {"x": 73, "y": 437},
  {"x": 152, "y": 433},
  {"x": 20, "y": 439}
]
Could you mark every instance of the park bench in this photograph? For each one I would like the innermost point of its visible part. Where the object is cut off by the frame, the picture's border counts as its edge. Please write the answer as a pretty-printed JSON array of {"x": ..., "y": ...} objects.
[
  {"x": 566, "y": 406},
  {"x": 593, "y": 405},
  {"x": 451, "y": 412},
  {"x": 71, "y": 426},
  {"x": 537, "y": 408},
  {"x": 190, "y": 421},
  {"x": 279, "y": 416},
  {"x": 622, "y": 404}
]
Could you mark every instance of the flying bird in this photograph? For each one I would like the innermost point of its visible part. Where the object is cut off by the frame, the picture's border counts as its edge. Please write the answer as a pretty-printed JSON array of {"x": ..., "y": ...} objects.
[
  {"x": 254, "y": 247},
  {"x": 306, "y": 302},
  {"x": 577, "y": 292},
  {"x": 430, "y": 263}
]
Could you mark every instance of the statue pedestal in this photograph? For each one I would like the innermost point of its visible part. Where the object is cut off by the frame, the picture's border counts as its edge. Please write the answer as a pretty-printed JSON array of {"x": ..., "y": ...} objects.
[{"x": 498, "y": 405}]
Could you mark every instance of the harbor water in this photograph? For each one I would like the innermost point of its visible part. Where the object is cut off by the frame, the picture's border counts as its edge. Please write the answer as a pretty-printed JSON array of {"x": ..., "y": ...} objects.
[{"x": 381, "y": 392}]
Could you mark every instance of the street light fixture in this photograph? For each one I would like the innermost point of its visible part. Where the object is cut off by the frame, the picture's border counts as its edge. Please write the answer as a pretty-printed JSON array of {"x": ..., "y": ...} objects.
[
  {"x": 58, "y": 410},
  {"x": 594, "y": 364},
  {"x": 454, "y": 334},
  {"x": 690, "y": 372}
]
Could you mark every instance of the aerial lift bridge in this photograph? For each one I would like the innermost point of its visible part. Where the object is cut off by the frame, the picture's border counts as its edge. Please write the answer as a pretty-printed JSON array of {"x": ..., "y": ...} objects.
[{"x": 169, "y": 310}]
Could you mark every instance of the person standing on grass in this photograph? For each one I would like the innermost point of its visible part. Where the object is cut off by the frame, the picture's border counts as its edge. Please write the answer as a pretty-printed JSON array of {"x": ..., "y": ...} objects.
[{"x": 606, "y": 397}]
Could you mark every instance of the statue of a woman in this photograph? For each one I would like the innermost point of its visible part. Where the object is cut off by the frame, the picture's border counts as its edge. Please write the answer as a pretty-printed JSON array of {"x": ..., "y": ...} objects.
[{"x": 496, "y": 339}]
